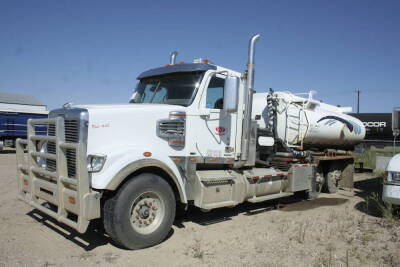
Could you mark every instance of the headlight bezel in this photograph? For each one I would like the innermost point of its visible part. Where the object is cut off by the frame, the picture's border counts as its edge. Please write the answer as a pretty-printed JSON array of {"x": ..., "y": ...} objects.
[
  {"x": 393, "y": 176},
  {"x": 96, "y": 162}
]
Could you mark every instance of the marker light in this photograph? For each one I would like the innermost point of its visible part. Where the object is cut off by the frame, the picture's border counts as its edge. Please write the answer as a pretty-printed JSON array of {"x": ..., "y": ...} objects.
[
  {"x": 95, "y": 162},
  {"x": 71, "y": 200},
  {"x": 200, "y": 60},
  {"x": 176, "y": 142},
  {"x": 147, "y": 154},
  {"x": 177, "y": 115}
]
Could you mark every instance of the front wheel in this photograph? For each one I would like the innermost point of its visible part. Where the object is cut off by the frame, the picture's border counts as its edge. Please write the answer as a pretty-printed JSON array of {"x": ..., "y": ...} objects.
[{"x": 141, "y": 213}]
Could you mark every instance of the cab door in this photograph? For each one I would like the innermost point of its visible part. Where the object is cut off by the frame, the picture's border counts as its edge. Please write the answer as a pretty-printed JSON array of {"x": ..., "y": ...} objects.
[{"x": 214, "y": 132}]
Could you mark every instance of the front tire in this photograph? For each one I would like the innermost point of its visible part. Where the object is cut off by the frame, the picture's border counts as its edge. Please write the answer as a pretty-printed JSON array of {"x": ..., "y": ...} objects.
[{"x": 141, "y": 214}]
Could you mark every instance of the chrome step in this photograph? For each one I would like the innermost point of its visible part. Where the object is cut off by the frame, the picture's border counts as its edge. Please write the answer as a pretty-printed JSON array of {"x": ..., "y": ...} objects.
[{"x": 269, "y": 197}]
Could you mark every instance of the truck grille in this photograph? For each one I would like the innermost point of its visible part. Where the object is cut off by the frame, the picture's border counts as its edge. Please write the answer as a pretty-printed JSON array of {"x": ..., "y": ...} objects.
[
  {"x": 51, "y": 149},
  {"x": 171, "y": 128},
  {"x": 71, "y": 136}
]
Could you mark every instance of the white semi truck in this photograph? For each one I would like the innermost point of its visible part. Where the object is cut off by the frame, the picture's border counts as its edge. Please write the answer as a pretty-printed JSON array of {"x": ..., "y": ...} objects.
[
  {"x": 391, "y": 183},
  {"x": 191, "y": 135}
]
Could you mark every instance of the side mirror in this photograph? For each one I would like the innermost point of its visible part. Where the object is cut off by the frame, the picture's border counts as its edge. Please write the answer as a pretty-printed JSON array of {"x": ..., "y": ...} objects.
[{"x": 231, "y": 94}]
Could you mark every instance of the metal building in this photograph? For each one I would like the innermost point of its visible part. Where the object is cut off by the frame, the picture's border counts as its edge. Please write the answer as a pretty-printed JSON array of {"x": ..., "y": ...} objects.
[{"x": 15, "y": 110}]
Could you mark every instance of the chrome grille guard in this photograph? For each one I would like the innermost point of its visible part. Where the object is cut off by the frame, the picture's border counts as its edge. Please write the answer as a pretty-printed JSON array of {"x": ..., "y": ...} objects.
[{"x": 36, "y": 185}]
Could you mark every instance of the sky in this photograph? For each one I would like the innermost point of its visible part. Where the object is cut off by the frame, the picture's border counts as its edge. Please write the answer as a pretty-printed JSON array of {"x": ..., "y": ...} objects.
[{"x": 89, "y": 52}]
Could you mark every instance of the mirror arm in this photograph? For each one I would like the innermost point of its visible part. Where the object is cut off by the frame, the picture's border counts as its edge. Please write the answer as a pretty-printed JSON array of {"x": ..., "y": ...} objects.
[
  {"x": 223, "y": 72},
  {"x": 205, "y": 113}
]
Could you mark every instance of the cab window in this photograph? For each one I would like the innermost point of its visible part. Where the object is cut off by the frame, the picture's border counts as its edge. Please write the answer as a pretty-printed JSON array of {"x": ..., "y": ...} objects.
[{"x": 215, "y": 93}]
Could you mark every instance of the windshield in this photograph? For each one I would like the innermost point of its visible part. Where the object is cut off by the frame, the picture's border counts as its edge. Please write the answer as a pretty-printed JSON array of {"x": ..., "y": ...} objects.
[{"x": 173, "y": 89}]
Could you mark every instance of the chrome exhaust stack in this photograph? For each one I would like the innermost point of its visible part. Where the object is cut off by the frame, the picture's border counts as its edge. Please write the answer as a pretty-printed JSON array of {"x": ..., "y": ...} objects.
[
  {"x": 173, "y": 58},
  {"x": 249, "y": 98}
]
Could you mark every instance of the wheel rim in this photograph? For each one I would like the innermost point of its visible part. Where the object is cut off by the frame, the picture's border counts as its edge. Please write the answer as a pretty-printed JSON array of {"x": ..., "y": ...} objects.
[
  {"x": 147, "y": 212},
  {"x": 335, "y": 177}
]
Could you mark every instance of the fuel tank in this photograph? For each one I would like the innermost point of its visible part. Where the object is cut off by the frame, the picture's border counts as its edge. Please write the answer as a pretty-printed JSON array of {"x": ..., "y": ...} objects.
[{"x": 304, "y": 122}]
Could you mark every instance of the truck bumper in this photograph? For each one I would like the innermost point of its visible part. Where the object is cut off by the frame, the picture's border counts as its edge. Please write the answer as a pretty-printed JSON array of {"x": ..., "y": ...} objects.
[
  {"x": 391, "y": 194},
  {"x": 38, "y": 185}
]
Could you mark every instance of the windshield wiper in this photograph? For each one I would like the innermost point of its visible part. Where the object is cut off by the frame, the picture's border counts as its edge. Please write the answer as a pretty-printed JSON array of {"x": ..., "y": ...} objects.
[{"x": 155, "y": 92}]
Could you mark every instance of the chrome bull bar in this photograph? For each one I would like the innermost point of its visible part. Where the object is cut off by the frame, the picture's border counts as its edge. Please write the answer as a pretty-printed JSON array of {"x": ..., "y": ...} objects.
[{"x": 37, "y": 185}]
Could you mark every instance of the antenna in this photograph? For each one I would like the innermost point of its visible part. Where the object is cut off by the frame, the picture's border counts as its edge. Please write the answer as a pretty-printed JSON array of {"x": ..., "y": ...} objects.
[{"x": 358, "y": 100}]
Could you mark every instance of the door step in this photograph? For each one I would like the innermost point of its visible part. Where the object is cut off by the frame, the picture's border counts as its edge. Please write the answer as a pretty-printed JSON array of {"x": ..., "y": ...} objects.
[{"x": 269, "y": 197}]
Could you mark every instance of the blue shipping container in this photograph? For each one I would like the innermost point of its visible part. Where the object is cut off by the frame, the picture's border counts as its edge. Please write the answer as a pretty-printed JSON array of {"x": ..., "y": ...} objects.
[{"x": 13, "y": 125}]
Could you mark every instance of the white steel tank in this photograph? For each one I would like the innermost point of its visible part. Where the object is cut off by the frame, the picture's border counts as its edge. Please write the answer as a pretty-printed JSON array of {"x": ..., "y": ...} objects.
[{"x": 305, "y": 122}]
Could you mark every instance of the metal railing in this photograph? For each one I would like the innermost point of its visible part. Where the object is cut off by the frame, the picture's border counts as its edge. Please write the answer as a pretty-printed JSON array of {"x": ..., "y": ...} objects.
[{"x": 70, "y": 195}]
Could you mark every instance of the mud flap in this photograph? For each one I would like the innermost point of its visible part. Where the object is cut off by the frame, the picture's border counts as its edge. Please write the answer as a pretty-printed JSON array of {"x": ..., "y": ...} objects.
[{"x": 346, "y": 179}]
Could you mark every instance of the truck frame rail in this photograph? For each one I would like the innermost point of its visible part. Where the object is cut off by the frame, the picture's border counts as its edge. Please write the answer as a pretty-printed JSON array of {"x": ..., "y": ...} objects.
[{"x": 76, "y": 203}]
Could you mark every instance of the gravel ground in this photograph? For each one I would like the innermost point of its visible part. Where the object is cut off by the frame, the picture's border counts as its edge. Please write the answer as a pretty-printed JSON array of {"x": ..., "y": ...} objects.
[{"x": 343, "y": 229}]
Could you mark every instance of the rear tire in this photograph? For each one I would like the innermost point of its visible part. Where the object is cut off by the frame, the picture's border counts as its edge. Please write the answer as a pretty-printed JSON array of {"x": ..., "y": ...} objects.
[
  {"x": 333, "y": 178},
  {"x": 141, "y": 214}
]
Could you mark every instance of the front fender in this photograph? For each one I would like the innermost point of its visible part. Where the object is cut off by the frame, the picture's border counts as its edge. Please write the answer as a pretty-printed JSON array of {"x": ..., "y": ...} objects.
[{"x": 122, "y": 162}]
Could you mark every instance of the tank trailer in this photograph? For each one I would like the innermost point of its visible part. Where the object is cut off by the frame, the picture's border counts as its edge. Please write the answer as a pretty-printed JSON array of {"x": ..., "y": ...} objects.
[{"x": 192, "y": 134}]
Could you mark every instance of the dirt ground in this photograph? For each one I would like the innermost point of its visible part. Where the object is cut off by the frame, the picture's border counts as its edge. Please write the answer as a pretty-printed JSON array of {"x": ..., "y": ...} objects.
[{"x": 341, "y": 229}]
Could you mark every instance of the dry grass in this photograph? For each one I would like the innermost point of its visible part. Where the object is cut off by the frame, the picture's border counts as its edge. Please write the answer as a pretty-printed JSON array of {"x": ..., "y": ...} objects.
[
  {"x": 368, "y": 157},
  {"x": 353, "y": 240},
  {"x": 196, "y": 250},
  {"x": 390, "y": 214},
  {"x": 301, "y": 234}
]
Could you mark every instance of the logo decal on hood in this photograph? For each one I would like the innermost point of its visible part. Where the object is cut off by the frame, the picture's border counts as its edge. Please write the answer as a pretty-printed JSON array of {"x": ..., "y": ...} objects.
[{"x": 102, "y": 125}]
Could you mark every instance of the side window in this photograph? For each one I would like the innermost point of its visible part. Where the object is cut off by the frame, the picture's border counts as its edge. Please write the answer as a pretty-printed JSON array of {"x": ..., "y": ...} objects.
[{"x": 215, "y": 93}]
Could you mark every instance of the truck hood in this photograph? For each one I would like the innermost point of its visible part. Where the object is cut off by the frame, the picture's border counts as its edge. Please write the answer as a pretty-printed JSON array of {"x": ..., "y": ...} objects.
[
  {"x": 394, "y": 164},
  {"x": 130, "y": 107},
  {"x": 113, "y": 127}
]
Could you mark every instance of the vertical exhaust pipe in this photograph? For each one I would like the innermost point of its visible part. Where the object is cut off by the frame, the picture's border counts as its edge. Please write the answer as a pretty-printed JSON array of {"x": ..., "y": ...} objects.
[
  {"x": 173, "y": 58},
  {"x": 249, "y": 98}
]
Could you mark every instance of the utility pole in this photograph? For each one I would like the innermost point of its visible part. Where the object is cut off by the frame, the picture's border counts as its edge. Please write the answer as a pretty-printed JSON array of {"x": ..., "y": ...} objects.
[{"x": 358, "y": 100}]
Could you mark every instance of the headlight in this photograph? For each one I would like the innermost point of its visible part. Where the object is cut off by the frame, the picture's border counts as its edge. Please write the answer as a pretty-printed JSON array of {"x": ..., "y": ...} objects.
[
  {"x": 95, "y": 162},
  {"x": 393, "y": 177},
  {"x": 42, "y": 148}
]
